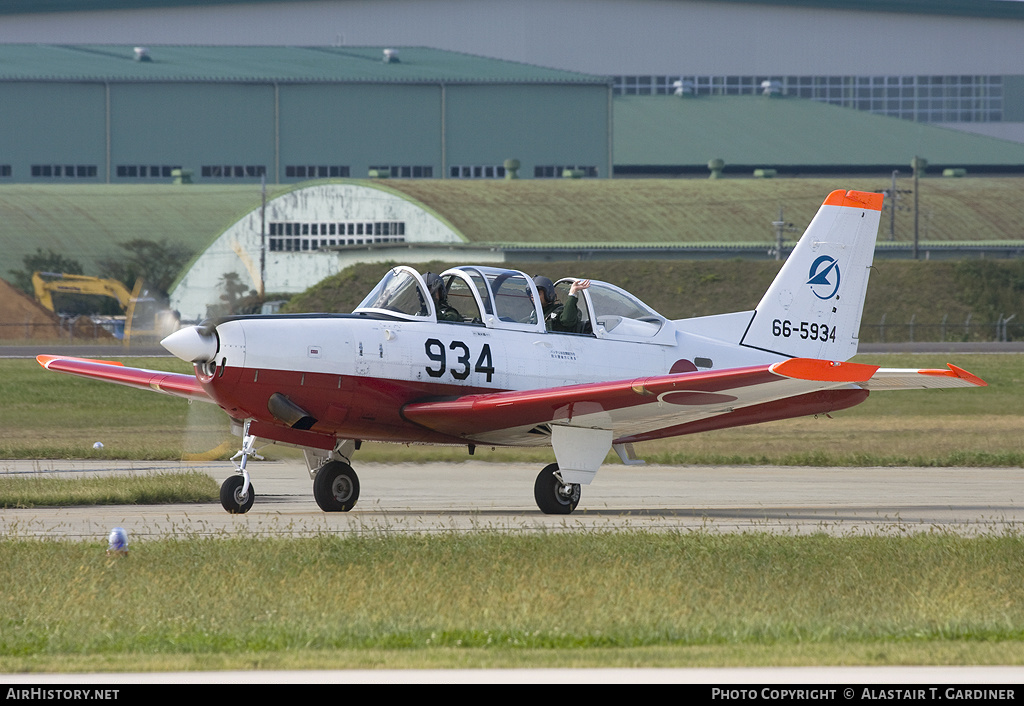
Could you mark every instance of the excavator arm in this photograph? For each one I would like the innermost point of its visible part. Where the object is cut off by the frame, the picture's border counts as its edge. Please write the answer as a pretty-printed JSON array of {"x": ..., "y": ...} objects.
[{"x": 47, "y": 283}]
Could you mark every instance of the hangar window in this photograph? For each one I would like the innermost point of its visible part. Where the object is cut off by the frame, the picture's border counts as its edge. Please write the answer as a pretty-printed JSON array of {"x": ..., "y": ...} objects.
[
  {"x": 5, "y": 170},
  {"x": 64, "y": 171},
  {"x": 229, "y": 171},
  {"x": 145, "y": 171},
  {"x": 313, "y": 236},
  {"x": 558, "y": 171},
  {"x": 921, "y": 98},
  {"x": 402, "y": 171},
  {"x": 318, "y": 171},
  {"x": 488, "y": 171}
]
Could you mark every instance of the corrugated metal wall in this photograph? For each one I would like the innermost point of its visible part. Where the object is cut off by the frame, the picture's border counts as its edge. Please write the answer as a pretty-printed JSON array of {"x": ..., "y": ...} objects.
[{"x": 233, "y": 133}]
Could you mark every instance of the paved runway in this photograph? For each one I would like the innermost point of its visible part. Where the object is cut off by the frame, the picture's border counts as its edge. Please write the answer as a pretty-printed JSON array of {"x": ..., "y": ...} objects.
[{"x": 480, "y": 496}]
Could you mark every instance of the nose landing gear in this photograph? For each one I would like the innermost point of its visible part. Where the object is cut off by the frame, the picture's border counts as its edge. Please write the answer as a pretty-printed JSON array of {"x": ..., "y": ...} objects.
[{"x": 237, "y": 493}]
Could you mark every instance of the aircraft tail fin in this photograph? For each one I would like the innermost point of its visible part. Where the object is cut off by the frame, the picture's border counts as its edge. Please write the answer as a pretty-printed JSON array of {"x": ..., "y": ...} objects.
[{"x": 814, "y": 306}]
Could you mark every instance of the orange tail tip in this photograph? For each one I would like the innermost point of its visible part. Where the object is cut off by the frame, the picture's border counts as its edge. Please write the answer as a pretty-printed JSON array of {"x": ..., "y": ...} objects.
[
  {"x": 955, "y": 372},
  {"x": 45, "y": 360},
  {"x": 855, "y": 199}
]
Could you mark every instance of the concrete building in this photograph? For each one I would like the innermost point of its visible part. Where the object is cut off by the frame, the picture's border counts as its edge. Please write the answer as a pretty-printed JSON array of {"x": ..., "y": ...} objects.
[{"x": 310, "y": 233}]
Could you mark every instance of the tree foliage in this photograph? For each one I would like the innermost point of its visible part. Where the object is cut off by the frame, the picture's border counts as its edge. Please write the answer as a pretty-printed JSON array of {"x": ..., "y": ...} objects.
[
  {"x": 158, "y": 263},
  {"x": 43, "y": 261}
]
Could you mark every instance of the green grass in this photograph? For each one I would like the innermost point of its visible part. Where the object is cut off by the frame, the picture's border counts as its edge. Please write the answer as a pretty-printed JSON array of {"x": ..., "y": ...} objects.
[
  {"x": 49, "y": 491},
  {"x": 645, "y": 211},
  {"x": 51, "y": 415},
  {"x": 484, "y": 599}
]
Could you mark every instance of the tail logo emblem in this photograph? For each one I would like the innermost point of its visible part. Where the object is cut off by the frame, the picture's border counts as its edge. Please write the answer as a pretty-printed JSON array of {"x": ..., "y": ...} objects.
[{"x": 822, "y": 282}]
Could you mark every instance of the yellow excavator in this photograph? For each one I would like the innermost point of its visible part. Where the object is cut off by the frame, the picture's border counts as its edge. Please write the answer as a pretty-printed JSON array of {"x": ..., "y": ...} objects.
[{"x": 144, "y": 316}]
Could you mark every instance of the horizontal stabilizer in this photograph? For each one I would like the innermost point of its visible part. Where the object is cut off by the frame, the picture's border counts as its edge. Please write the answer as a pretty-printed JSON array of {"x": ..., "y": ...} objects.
[
  {"x": 872, "y": 377},
  {"x": 824, "y": 370},
  {"x": 911, "y": 379}
]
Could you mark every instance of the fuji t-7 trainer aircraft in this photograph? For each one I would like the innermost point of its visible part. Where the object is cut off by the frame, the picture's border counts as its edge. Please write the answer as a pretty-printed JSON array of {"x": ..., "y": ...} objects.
[{"x": 393, "y": 371}]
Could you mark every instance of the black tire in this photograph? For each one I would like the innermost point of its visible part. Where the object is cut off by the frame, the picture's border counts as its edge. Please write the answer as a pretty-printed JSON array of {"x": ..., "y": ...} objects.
[
  {"x": 230, "y": 495},
  {"x": 551, "y": 494},
  {"x": 336, "y": 487}
]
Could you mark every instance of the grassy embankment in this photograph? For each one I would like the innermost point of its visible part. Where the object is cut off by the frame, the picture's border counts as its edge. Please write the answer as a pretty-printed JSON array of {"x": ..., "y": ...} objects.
[
  {"x": 937, "y": 297},
  {"x": 497, "y": 600}
]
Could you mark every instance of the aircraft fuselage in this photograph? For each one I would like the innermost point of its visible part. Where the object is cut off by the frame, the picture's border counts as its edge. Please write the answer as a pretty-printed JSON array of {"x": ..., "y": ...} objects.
[{"x": 354, "y": 374}]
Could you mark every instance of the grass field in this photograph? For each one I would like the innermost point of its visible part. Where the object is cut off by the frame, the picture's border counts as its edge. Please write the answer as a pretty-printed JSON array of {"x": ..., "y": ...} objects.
[
  {"x": 483, "y": 599},
  {"x": 148, "y": 489}
]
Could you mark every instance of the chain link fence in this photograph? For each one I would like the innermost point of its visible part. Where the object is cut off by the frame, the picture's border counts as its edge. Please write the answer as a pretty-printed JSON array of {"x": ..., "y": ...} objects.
[{"x": 886, "y": 330}]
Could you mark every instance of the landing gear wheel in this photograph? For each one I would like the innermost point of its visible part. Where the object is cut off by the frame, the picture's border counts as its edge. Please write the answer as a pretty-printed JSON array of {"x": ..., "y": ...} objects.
[
  {"x": 231, "y": 496},
  {"x": 553, "y": 496},
  {"x": 336, "y": 487}
]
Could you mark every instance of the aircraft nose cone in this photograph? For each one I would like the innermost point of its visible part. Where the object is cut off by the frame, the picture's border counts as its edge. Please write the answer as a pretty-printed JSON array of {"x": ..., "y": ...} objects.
[{"x": 191, "y": 345}]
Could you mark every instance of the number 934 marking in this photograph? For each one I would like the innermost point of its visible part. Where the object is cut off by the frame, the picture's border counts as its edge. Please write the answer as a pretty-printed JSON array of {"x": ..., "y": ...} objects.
[
  {"x": 459, "y": 362},
  {"x": 804, "y": 329}
]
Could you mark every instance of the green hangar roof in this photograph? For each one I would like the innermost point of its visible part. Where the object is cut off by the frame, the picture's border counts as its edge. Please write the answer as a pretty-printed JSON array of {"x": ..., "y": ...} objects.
[
  {"x": 665, "y": 135},
  {"x": 967, "y": 8},
  {"x": 261, "y": 64}
]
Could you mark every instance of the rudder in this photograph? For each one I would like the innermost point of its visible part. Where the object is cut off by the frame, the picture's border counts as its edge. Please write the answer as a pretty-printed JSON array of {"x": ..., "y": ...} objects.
[{"x": 813, "y": 308}]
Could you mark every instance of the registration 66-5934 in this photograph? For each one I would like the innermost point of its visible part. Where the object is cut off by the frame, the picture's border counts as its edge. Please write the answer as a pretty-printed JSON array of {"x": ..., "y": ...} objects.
[{"x": 807, "y": 330}]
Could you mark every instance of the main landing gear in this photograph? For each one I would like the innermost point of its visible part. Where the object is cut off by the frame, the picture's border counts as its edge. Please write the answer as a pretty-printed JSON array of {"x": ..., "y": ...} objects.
[
  {"x": 336, "y": 487},
  {"x": 553, "y": 495}
]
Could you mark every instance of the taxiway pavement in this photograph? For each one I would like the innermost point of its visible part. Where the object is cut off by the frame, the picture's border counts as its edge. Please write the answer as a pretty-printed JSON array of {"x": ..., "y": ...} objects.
[{"x": 482, "y": 496}]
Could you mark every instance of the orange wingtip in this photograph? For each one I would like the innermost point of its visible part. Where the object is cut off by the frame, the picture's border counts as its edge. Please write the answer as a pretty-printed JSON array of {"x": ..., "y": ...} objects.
[
  {"x": 855, "y": 199},
  {"x": 824, "y": 370},
  {"x": 45, "y": 360},
  {"x": 955, "y": 372}
]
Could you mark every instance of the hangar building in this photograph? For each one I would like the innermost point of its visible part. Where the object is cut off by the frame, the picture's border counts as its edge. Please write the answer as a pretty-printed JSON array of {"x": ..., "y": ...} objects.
[
  {"x": 951, "y": 62},
  {"x": 230, "y": 115}
]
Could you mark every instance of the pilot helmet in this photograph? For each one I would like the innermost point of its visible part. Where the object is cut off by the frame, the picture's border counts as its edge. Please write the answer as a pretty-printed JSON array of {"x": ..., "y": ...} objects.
[
  {"x": 435, "y": 285},
  {"x": 545, "y": 285}
]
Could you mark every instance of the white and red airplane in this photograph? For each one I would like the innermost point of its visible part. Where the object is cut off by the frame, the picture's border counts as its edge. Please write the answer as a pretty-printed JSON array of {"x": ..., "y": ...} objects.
[{"x": 393, "y": 371}]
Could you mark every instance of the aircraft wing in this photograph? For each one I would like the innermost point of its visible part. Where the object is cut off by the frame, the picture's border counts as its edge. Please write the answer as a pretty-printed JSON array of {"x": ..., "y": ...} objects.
[
  {"x": 175, "y": 384},
  {"x": 667, "y": 405}
]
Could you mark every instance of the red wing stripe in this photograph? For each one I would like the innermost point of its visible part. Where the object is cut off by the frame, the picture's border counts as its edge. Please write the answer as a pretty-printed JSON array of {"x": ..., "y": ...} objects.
[
  {"x": 45, "y": 360},
  {"x": 176, "y": 384},
  {"x": 476, "y": 414}
]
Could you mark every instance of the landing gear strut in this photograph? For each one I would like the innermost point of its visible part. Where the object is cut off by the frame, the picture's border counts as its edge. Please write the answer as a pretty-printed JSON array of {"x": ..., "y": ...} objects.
[
  {"x": 237, "y": 493},
  {"x": 553, "y": 495},
  {"x": 336, "y": 487}
]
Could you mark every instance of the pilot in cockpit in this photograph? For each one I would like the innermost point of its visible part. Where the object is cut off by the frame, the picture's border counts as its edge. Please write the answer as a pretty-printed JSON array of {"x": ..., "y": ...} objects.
[
  {"x": 557, "y": 316},
  {"x": 445, "y": 311}
]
